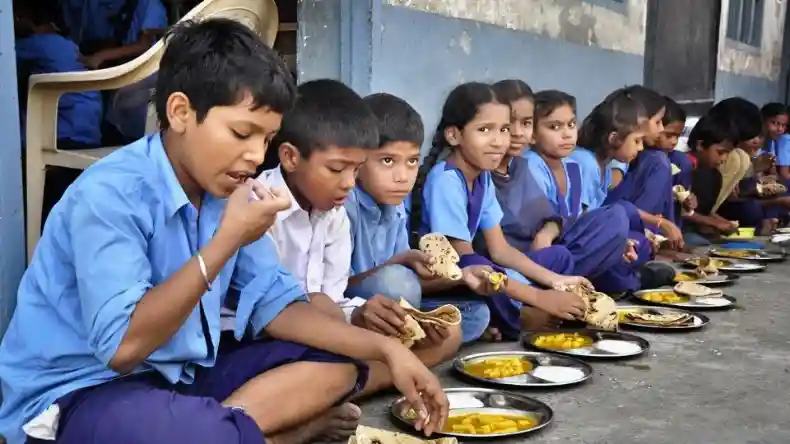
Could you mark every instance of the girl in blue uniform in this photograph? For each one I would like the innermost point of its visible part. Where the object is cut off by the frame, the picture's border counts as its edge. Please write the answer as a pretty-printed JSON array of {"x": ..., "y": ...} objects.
[
  {"x": 648, "y": 184},
  {"x": 674, "y": 122},
  {"x": 457, "y": 198},
  {"x": 531, "y": 222}
]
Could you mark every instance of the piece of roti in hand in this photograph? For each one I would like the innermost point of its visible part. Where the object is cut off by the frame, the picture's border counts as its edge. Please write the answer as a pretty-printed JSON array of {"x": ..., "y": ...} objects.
[
  {"x": 600, "y": 310},
  {"x": 369, "y": 435},
  {"x": 445, "y": 263},
  {"x": 445, "y": 316}
]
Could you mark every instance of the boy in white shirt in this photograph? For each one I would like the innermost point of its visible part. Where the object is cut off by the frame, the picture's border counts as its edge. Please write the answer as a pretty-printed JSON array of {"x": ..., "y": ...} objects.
[{"x": 322, "y": 144}]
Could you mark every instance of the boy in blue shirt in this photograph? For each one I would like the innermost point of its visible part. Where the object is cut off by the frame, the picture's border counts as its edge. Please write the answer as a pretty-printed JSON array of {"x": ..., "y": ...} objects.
[{"x": 136, "y": 261}]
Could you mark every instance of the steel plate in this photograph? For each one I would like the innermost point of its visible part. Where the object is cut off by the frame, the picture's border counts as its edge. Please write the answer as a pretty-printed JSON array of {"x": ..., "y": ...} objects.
[
  {"x": 698, "y": 321},
  {"x": 729, "y": 265},
  {"x": 710, "y": 303},
  {"x": 547, "y": 370},
  {"x": 464, "y": 401},
  {"x": 754, "y": 255},
  {"x": 605, "y": 344}
]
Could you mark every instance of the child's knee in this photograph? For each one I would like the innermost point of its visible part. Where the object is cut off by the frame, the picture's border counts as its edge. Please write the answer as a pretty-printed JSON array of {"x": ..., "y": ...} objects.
[
  {"x": 396, "y": 282},
  {"x": 475, "y": 318}
]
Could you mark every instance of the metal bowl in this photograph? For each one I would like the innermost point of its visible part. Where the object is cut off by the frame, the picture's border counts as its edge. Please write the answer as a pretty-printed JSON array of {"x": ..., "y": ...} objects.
[
  {"x": 605, "y": 344},
  {"x": 715, "y": 303},
  {"x": 698, "y": 321},
  {"x": 465, "y": 401},
  {"x": 547, "y": 370}
]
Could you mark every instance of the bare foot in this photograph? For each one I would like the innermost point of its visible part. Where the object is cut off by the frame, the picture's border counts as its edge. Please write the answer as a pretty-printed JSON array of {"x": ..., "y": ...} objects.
[
  {"x": 337, "y": 424},
  {"x": 492, "y": 334}
]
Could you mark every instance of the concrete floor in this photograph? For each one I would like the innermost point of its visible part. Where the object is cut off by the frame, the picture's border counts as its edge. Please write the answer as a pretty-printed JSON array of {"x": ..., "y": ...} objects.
[{"x": 725, "y": 384}]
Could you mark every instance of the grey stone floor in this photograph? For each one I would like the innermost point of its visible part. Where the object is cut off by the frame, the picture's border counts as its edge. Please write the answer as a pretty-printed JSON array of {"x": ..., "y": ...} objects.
[{"x": 725, "y": 384}]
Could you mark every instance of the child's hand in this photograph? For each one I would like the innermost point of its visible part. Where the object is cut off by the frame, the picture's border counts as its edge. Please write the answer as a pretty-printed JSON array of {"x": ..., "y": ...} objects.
[
  {"x": 673, "y": 234},
  {"x": 248, "y": 219},
  {"x": 417, "y": 261},
  {"x": 561, "y": 304},
  {"x": 630, "y": 251},
  {"x": 727, "y": 227},
  {"x": 476, "y": 278},
  {"x": 420, "y": 387},
  {"x": 434, "y": 336},
  {"x": 380, "y": 314},
  {"x": 561, "y": 282},
  {"x": 690, "y": 204}
]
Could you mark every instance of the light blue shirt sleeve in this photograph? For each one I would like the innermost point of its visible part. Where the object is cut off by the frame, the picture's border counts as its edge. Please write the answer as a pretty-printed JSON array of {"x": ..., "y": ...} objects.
[
  {"x": 492, "y": 214},
  {"x": 111, "y": 266},
  {"x": 445, "y": 203},
  {"x": 617, "y": 165},
  {"x": 783, "y": 151},
  {"x": 265, "y": 287}
]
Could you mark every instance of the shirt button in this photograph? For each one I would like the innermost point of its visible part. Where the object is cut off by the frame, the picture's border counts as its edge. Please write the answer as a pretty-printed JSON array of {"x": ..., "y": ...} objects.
[{"x": 200, "y": 334}]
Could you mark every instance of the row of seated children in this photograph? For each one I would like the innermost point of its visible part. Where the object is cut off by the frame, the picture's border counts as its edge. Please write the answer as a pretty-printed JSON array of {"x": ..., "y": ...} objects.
[
  {"x": 140, "y": 255},
  {"x": 57, "y": 36}
]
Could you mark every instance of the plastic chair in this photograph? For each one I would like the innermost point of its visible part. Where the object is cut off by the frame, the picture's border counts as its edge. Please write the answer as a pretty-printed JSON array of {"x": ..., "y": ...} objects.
[{"x": 45, "y": 91}]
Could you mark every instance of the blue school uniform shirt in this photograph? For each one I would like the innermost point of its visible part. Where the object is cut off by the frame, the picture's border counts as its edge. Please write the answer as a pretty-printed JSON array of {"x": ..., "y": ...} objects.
[
  {"x": 91, "y": 19},
  {"x": 445, "y": 204},
  {"x": 569, "y": 205},
  {"x": 123, "y": 227},
  {"x": 378, "y": 232},
  {"x": 594, "y": 187},
  {"x": 781, "y": 149},
  {"x": 615, "y": 164},
  {"x": 80, "y": 113},
  {"x": 648, "y": 184}
]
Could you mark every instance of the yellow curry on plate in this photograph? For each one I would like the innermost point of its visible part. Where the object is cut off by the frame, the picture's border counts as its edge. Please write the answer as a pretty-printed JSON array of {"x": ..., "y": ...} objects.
[
  {"x": 664, "y": 297},
  {"x": 563, "y": 341},
  {"x": 495, "y": 368},
  {"x": 487, "y": 424}
]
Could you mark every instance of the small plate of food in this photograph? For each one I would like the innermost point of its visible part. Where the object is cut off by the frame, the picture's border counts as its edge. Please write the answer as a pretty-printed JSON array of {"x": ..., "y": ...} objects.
[
  {"x": 686, "y": 295},
  {"x": 587, "y": 343},
  {"x": 523, "y": 369},
  {"x": 483, "y": 413},
  {"x": 726, "y": 265},
  {"x": 660, "y": 318}
]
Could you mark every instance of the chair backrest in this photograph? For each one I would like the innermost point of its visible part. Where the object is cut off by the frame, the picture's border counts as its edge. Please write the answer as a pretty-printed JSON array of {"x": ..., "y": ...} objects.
[{"x": 44, "y": 90}]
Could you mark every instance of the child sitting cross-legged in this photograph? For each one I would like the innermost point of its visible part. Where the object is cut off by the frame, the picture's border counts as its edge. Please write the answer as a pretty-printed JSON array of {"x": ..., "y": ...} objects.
[{"x": 326, "y": 141}]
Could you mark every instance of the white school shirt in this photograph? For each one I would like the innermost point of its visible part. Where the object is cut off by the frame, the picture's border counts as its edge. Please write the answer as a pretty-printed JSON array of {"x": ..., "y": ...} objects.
[{"x": 315, "y": 247}]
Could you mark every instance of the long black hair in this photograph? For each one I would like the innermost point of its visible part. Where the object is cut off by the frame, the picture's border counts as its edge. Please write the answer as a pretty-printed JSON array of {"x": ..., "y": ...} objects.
[
  {"x": 511, "y": 90},
  {"x": 619, "y": 113},
  {"x": 460, "y": 108}
]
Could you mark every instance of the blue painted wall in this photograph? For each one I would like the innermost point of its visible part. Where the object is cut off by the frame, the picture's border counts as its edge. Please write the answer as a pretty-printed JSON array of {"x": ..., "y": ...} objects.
[
  {"x": 12, "y": 231},
  {"x": 422, "y": 67},
  {"x": 759, "y": 90}
]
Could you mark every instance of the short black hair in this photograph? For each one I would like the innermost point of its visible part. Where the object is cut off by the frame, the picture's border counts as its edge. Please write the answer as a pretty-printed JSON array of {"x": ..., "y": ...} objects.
[
  {"x": 674, "y": 112},
  {"x": 710, "y": 130},
  {"x": 327, "y": 113},
  {"x": 219, "y": 62},
  {"x": 397, "y": 120},
  {"x": 773, "y": 109},
  {"x": 549, "y": 100},
  {"x": 39, "y": 12},
  {"x": 743, "y": 117}
]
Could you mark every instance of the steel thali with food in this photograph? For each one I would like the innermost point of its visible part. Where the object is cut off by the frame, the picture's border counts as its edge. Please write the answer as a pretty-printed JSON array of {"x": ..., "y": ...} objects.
[
  {"x": 484, "y": 414},
  {"x": 587, "y": 343},
  {"x": 727, "y": 265},
  {"x": 660, "y": 318},
  {"x": 667, "y": 297},
  {"x": 523, "y": 369},
  {"x": 709, "y": 280},
  {"x": 749, "y": 254}
]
